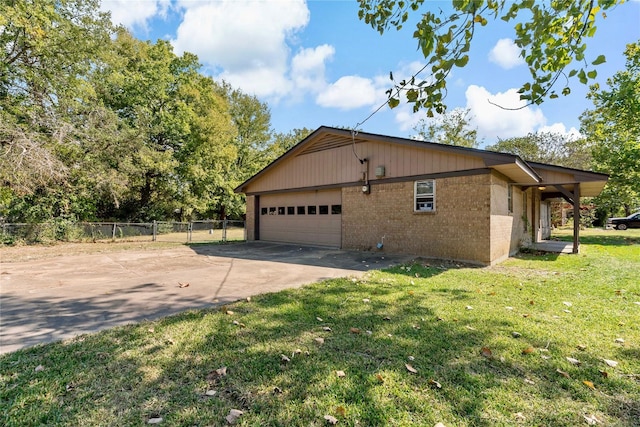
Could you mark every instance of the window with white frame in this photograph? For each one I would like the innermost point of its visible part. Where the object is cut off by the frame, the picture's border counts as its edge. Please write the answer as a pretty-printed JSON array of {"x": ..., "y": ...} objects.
[{"x": 425, "y": 196}]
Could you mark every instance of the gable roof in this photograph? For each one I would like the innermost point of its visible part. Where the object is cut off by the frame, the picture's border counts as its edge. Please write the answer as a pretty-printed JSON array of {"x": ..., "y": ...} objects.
[{"x": 512, "y": 166}]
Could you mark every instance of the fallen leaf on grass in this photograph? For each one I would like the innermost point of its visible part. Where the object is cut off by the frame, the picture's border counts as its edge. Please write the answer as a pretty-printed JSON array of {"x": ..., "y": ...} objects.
[
  {"x": 340, "y": 374},
  {"x": 581, "y": 347},
  {"x": 439, "y": 425},
  {"x": 319, "y": 340},
  {"x": 411, "y": 368},
  {"x": 154, "y": 420},
  {"x": 591, "y": 419},
  {"x": 528, "y": 381},
  {"x": 341, "y": 411},
  {"x": 574, "y": 361},
  {"x": 567, "y": 303},
  {"x": 284, "y": 359},
  {"x": 486, "y": 352},
  {"x": 526, "y": 315},
  {"x": 387, "y": 318},
  {"x": 233, "y": 416},
  {"x": 611, "y": 363},
  {"x": 366, "y": 300},
  {"x": 183, "y": 285},
  {"x": 229, "y": 312},
  {"x": 354, "y": 330},
  {"x": 589, "y": 384},
  {"x": 528, "y": 350},
  {"x": 210, "y": 393},
  {"x": 319, "y": 319},
  {"x": 379, "y": 378},
  {"x": 242, "y": 325},
  {"x": 220, "y": 372},
  {"x": 39, "y": 368},
  {"x": 516, "y": 334},
  {"x": 331, "y": 420},
  {"x": 564, "y": 374},
  {"x": 519, "y": 416},
  {"x": 604, "y": 373},
  {"x": 151, "y": 330},
  {"x": 326, "y": 329},
  {"x": 434, "y": 383},
  {"x": 619, "y": 341},
  {"x": 468, "y": 307}
]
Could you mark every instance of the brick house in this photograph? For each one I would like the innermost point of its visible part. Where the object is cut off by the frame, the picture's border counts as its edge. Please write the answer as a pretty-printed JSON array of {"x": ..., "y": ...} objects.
[{"x": 364, "y": 191}]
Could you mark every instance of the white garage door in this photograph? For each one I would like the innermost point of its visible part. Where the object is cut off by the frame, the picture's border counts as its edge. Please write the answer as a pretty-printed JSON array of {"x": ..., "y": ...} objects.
[{"x": 313, "y": 218}]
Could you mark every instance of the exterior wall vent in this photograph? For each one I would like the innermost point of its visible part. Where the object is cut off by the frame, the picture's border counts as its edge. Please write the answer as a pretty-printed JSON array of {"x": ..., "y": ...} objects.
[{"x": 380, "y": 172}]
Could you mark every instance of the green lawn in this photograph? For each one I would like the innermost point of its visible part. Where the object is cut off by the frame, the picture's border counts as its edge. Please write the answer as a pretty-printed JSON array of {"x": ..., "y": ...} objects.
[{"x": 487, "y": 347}]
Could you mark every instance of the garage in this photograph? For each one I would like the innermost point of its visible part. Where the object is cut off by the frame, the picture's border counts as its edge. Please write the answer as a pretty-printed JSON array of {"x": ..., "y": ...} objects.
[{"x": 313, "y": 217}]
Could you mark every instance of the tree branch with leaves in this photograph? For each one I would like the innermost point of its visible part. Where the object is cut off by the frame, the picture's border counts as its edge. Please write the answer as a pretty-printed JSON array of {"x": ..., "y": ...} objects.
[{"x": 551, "y": 36}]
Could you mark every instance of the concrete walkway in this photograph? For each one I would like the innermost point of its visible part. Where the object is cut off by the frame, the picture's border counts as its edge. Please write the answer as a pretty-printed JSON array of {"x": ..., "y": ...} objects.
[{"x": 58, "y": 298}]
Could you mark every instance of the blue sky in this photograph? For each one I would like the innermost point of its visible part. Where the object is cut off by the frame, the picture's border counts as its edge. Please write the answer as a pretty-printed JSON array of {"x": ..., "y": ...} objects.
[{"x": 315, "y": 63}]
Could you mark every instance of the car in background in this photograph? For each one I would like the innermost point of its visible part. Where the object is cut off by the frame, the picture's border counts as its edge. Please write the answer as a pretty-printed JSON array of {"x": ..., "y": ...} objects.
[{"x": 631, "y": 221}]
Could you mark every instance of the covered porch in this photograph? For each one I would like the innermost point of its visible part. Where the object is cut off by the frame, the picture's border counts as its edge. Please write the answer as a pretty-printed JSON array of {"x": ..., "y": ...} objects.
[
  {"x": 554, "y": 246},
  {"x": 561, "y": 183}
]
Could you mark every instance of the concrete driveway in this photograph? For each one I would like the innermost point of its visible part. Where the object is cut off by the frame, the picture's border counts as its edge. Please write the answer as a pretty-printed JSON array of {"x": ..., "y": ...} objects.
[{"x": 61, "y": 297}]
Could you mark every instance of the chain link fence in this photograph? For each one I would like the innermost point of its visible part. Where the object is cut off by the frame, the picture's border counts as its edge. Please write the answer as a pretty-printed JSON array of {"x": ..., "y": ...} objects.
[{"x": 162, "y": 231}]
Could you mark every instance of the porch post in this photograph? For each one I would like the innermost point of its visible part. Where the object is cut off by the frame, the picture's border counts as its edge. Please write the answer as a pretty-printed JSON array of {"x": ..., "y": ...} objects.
[{"x": 576, "y": 218}]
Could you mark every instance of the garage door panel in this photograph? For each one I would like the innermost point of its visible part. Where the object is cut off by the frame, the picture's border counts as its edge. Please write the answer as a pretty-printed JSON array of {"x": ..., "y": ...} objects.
[{"x": 278, "y": 225}]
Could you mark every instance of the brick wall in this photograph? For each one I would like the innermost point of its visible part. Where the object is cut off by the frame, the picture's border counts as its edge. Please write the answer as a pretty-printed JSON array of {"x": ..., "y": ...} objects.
[
  {"x": 458, "y": 229},
  {"x": 250, "y": 218},
  {"x": 507, "y": 228}
]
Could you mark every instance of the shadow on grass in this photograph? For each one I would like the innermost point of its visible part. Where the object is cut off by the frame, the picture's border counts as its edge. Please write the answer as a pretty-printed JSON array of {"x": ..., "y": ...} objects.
[
  {"x": 603, "y": 238},
  {"x": 369, "y": 329}
]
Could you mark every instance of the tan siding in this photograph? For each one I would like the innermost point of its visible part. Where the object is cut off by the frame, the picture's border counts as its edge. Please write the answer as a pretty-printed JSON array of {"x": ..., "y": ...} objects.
[
  {"x": 339, "y": 165},
  {"x": 557, "y": 177}
]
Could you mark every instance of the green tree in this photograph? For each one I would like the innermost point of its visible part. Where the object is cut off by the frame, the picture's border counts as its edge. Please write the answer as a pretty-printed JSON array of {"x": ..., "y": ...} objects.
[
  {"x": 177, "y": 156},
  {"x": 548, "y": 147},
  {"x": 282, "y": 142},
  {"x": 46, "y": 49},
  {"x": 551, "y": 36},
  {"x": 451, "y": 128},
  {"x": 614, "y": 127},
  {"x": 252, "y": 121}
]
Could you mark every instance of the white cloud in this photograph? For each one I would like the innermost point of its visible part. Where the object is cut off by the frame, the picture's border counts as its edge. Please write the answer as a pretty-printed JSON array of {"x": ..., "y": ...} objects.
[
  {"x": 561, "y": 129},
  {"x": 244, "y": 41},
  {"x": 405, "y": 117},
  {"x": 308, "y": 68},
  {"x": 134, "y": 13},
  {"x": 348, "y": 92},
  {"x": 506, "y": 54},
  {"x": 495, "y": 122}
]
